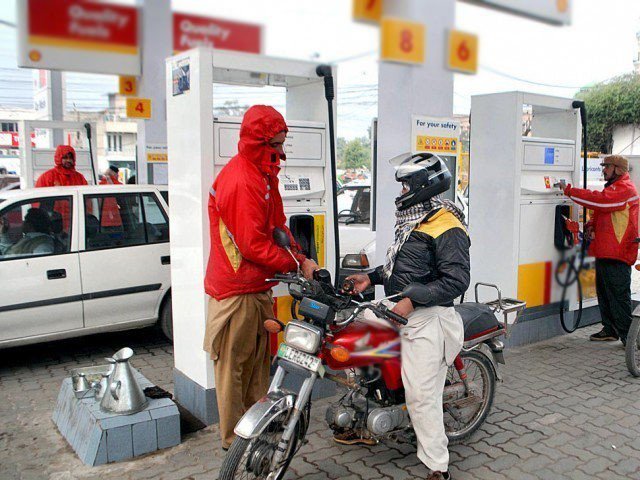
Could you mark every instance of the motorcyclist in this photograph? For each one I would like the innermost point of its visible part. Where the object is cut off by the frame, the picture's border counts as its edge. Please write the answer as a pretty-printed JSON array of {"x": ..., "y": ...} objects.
[{"x": 431, "y": 251}]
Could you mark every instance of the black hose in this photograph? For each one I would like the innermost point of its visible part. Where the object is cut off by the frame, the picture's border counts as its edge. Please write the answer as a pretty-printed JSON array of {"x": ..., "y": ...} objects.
[
  {"x": 565, "y": 284},
  {"x": 87, "y": 127},
  {"x": 570, "y": 262},
  {"x": 329, "y": 93}
]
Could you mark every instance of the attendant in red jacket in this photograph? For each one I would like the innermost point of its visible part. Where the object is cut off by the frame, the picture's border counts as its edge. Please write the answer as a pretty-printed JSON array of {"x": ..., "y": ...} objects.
[
  {"x": 244, "y": 209},
  {"x": 109, "y": 208},
  {"x": 63, "y": 174},
  {"x": 110, "y": 176},
  {"x": 613, "y": 230}
]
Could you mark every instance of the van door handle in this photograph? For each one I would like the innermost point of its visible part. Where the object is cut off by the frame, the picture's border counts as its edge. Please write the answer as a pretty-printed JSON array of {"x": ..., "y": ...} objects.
[
  {"x": 166, "y": 260},
  {"x": 56, "y": 274}
]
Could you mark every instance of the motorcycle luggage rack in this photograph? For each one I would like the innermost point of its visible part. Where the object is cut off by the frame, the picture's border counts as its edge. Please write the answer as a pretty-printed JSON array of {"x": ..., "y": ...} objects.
[{"x": 502, "y": 305}]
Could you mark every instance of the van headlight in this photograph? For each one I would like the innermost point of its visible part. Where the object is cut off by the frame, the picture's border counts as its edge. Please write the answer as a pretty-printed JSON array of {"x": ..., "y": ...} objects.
[{"x": 303, "y": 336}]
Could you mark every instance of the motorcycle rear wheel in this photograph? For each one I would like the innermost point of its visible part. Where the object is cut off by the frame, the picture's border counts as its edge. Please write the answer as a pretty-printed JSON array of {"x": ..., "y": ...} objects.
[
  {"x": 481, "y": 377},
  {"x": 632, "y": 350},
  {"x": 248, "y": 459}
]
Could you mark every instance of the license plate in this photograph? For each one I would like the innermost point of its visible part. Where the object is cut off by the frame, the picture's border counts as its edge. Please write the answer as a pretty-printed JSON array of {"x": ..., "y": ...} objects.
[{"x": 301, "y": 359}]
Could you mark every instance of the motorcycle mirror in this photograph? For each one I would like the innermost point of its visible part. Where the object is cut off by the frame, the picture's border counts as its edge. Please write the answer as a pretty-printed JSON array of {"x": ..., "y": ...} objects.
[
  {"x": 415, "y": 292},
  {"x": 281, "y": 238}
]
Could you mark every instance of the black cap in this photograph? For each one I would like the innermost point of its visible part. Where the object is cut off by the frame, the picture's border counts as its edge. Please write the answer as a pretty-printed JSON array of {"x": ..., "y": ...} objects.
[{"x": 114, "y": 169}]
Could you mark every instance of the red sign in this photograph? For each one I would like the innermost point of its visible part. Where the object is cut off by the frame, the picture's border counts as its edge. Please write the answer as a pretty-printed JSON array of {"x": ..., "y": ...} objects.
[
  {"x": 190, "y": 31},
  {"x": 83, "y": 24},
  {"x": 11, "y": 139}
]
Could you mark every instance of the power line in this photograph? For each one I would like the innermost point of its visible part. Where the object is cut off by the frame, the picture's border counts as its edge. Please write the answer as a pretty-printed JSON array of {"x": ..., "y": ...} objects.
[{"x": 513, "y": 77}]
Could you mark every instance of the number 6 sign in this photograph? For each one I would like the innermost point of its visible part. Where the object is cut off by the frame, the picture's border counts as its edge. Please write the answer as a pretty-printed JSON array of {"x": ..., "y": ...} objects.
[
  {"x": 463, "y": 52},
  {"x": 402, "y": 41}
]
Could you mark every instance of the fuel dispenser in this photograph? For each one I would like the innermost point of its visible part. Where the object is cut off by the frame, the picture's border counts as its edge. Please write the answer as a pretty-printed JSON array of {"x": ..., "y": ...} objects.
[
  {"x": 199, "y": 145},
  {"x": 38, "y": 158},
  {"x": 524, "y": 232}
]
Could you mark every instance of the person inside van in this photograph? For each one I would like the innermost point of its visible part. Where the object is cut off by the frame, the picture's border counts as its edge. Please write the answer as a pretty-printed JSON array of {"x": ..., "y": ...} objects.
[{"x": 36, "y": 236}]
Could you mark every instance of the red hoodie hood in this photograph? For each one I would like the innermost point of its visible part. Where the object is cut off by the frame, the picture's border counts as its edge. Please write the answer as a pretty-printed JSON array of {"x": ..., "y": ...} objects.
[
  {"x": 61, "y": 151},
  {"x": 260, "y": 124}
]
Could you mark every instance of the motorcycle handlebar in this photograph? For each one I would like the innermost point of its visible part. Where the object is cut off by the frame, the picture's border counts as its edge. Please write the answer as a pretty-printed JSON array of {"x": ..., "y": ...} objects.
[{"x": 392, "y": 315}]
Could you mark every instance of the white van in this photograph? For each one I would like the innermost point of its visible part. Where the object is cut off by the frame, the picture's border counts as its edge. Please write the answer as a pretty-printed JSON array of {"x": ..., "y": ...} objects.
[{"x": 82, "y": 260}]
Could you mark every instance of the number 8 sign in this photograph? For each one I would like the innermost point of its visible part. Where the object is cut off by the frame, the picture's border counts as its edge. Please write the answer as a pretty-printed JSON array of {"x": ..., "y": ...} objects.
[{"x": 402, "y": 41}]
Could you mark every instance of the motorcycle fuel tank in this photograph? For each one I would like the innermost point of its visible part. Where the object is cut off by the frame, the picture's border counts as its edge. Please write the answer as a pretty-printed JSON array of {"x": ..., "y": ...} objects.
[{"x": 370, "y": 345}]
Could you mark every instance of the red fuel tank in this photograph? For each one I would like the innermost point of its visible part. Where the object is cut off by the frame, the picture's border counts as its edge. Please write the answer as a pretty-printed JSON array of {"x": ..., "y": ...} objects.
[{"x": 370, "y": 345}]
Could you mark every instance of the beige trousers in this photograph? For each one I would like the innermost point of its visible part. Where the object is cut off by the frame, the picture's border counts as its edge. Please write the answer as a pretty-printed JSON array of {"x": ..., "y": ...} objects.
[
  {"x": 431, "y": 340},
  {"x": 239, "y": 346}
]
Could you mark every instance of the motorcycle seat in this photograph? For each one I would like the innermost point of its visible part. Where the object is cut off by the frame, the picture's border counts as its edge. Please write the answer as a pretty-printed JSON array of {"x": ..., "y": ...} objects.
[{"x": 478, "y": 319}]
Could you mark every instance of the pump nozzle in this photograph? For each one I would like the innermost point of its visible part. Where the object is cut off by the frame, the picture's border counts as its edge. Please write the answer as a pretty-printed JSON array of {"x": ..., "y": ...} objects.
[
  {"x": 87, "y": 127},
  {"x": 325, "y": 72},
  {"x": 583, "y": 110}
]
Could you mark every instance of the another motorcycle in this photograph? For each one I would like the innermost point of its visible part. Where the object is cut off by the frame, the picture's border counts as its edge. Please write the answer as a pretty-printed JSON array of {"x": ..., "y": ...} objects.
[{"x": 335, "y": 335}]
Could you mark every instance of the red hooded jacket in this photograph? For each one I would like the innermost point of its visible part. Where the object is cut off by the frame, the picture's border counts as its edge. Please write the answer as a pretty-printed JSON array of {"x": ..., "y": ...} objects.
[
  {"x": 59, "y": 176},
  {"x": 614, "y": 219},
  {"x": 244, "y": 208}
]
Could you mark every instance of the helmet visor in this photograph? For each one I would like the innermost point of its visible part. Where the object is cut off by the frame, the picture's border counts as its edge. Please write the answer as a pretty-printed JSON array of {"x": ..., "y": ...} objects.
[{"x": 407, "y": 164}]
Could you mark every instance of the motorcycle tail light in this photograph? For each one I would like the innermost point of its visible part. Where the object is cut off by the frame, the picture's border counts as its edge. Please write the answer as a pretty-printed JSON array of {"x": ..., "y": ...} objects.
[
  {"x": 340, "y": 354},
  {"x": 273, "y": 325}
]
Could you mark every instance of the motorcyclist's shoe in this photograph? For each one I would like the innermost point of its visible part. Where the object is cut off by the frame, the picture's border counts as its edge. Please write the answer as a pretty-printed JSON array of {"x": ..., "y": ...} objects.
[
  {"x": 352, "y": 437},
  {"x": 439, "y": 476},
  {"x": 603, "y": 336}
]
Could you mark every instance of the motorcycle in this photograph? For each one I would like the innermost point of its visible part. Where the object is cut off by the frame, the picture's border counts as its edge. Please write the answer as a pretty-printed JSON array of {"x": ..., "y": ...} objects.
[{"x": 332, "y": 336}]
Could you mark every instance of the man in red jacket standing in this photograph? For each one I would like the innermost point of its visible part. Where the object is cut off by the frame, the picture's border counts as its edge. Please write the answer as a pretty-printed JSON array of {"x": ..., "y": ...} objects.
[
  {"x": 64, "y": 173},
  {"x": 244, "y": 209},
  {"x": 613, "y": 230}
]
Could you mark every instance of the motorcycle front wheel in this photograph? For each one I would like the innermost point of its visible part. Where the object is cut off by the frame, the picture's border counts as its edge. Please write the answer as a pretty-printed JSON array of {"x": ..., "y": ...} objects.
[
  {"x": 464, "y": 416},
  {"x": 251, "y": 459},
  {"x": 632, "y": 352}
]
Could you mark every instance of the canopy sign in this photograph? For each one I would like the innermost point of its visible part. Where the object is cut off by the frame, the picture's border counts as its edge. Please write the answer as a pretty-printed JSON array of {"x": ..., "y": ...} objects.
[
  {"x": 191, "y": 31},
  {"x": 555, "y": 12},
  {"x": 78, "y": 35}
]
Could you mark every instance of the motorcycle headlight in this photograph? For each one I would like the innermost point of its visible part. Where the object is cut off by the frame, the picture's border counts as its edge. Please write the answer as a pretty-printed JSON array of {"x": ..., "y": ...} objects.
[{"x": 303, "y": 337}]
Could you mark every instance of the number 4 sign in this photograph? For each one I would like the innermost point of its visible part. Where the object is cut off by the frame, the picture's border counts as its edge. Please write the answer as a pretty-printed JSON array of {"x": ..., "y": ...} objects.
[
  {"x": 139, "y": 107},
  {"x": 463, "y": 52},
  {"x": 402, "y": 41}
]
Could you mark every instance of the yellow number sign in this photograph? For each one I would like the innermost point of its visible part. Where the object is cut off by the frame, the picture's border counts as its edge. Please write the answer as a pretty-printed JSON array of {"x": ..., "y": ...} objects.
[
  {"x": 463, "y": 52},
  {"x": 139, "y": 107},
  {"x": 367, "y": 10},
  {"x": 402, "y": 41},
  {"x": 128, "y": 85}
]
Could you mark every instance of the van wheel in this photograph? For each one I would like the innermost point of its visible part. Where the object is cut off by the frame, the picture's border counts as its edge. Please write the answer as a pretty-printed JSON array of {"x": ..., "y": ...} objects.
[{"x": 165, "y": 322}]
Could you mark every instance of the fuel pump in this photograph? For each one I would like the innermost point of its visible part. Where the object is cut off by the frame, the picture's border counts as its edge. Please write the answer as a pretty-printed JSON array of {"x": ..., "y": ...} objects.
[
  {"x": 37, "y": 158},
  {"x": 523, "y": 235},
  {"x": 199, "y": 145}
]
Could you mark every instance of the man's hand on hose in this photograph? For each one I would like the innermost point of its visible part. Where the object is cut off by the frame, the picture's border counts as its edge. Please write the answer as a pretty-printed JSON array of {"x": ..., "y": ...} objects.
[
  {"x": 403, "y": 308},
  {"x": 308, "y": 267},
  {"x": 360, "y": 282}
]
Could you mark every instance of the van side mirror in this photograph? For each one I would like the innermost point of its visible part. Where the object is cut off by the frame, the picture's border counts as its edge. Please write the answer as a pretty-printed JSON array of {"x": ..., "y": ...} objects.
[
  {"x": 415, "y": 292},
  {"x": 281, "y": 238}
]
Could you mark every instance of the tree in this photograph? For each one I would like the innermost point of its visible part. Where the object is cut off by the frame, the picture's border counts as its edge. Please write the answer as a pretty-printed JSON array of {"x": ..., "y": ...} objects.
[
  {"x": 357, "y": 153},
  {"x": 609, "y": 104},
  {"x": 341, "y": 144}
]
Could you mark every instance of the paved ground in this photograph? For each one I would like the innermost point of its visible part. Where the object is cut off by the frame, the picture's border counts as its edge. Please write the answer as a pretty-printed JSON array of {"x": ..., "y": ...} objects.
[{"x": 567, "y": 409}]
